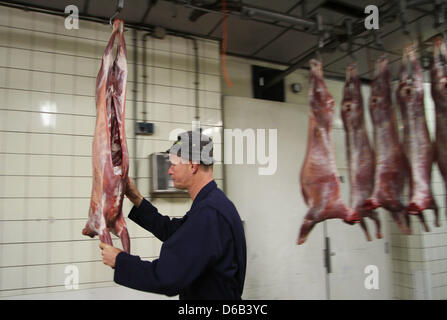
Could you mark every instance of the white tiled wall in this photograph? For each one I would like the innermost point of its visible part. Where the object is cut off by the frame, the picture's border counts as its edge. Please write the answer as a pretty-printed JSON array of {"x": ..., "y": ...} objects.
[
  {"x": 422, "y": 251},
  {"x": 47, "y": 117}
]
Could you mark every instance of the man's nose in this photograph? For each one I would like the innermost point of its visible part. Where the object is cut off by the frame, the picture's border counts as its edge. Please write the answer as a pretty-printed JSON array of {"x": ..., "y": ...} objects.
[{"x": 170, "y": 170}]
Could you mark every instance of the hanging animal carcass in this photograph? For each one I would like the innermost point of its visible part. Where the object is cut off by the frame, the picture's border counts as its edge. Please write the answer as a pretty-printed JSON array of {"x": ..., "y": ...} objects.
[
  {"x": 359, "y": 154},
  {"x": 110, "y": 157},
  {"x": 391, "y": 166},
  {"x": 417, "y": 145},
  {"x": 320, "y": 182}
]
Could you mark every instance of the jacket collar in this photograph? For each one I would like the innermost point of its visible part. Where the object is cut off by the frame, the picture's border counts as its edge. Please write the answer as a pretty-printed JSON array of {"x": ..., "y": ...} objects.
[{"x": 210, "y": 186}]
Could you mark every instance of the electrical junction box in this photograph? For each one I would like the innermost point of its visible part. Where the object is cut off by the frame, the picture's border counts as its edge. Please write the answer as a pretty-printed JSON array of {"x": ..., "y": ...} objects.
[
  {"x": 161, "y": 182},
  {"x": 145, "y": 128}
]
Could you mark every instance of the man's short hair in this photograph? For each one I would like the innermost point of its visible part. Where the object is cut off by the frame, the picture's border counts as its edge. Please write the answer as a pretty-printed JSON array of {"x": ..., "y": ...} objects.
[{"x": 194, "y": 146}]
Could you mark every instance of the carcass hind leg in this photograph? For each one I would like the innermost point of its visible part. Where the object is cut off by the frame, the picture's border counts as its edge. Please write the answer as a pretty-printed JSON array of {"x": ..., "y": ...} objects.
[
  {"x": 422, "y": 220},
  {"x": 398, "y": 211},
  {"x": 121, "y": 232},
  {"x": 308, "y": 223},
  {"x": 414, "y": 209},
  {"x": 446, "y": 203},
  {"x": 125, "y": 240},
  {"x": 405, "y": 229},
  {"x": 435, "y": 209},
  {"x": 365, "y": 229},
  {"x": 374, "y": 216},
  {"x": 105, "y": 237},
  {"x": 306, "y": 227}
]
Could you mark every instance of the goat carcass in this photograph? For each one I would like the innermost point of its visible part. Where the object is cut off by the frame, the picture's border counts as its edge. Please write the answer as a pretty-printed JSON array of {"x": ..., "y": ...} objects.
[
  {"x": 359, "y": 154},
  {"x": 438, "y": 73},
  {"x": 319, "y": 177},
  {"x": 418, "y": 147},
  {"x": 391, "y": 165},
  {"x": 110, "y": 156}
]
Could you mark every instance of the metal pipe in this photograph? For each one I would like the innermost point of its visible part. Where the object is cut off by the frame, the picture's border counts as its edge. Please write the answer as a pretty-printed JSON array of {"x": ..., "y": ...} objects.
[
  {"x": 135, "y": 101},
  {"x": 253, "y": 12},
  {"x": 371, "y": 42},
  {"x": 440, "y": 12},
  {"x": 196, "y": 67},
  {"x": 411, "y": 3},
  {"x": 151, "y": 4},
  {"x": 144, "y": 77},
  {"x": 86, "y": 5},
  {"x": 343, "y": 8},
  {"x": 97, "y": 19},
  {"x": 292, "y": 68},
  {"x": 268, "y": 14},
  {"x": 196, "y": 74},
  {"x": 308, "y": 55},
  {"x": 196, "y": 82}
]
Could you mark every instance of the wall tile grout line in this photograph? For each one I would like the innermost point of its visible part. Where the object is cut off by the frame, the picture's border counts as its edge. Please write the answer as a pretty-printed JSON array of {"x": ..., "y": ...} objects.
[
  {"x": 417, "y": 261},
  {"x": 81, "y": 135},
  {"x": 2, "y": 189},
  {"x": 65, "y": 263},
  {"x": 127, "y": 100},
  {"x": 66, "y": 155},
  {"x": 94, "y": 77},
  {"x": 104, "y": 41},
  {"x": 74, "y": 197},
  {"x": 94, "y": 116},
  {"x": 60, "y": 176},
  {"x": 56, "y": 219},
  {"x": 69, "y": 240},
  {"x": 54, "y": 286},
  {"x": 45, "y": 69},
  {"x": 98, "y": 59}
]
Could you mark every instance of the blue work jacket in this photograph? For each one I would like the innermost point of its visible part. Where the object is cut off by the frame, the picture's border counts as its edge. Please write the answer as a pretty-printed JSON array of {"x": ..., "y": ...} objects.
[{"x": 203, "y": 255}]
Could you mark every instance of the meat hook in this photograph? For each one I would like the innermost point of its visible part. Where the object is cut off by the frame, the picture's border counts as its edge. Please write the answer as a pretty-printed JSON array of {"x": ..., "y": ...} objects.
[
  {"x": 348, "y": 24},
  {"x": 320, "y": 29},
  {"x": 119, "y": 6}
]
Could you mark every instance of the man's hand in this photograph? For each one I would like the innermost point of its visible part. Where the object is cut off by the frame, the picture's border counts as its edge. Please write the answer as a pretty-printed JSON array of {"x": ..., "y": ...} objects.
[
  {"x": 132, "y": 193},
  {"x": 109, "y": 254}
]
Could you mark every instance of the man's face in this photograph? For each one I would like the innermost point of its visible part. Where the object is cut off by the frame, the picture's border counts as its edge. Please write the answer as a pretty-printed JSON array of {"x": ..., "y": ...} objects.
[{"x": 179, "y": 171}]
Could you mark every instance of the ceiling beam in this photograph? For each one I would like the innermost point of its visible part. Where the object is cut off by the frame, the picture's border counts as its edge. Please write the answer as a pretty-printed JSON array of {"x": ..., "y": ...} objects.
[
  {"x": 344, "y": 8},
  {"x": 371, "y": 42},
  {"x": 98, "y": 19},
  {"x": 150, "y": 5},
  {"x": 86, "y": 6},
  {"x": 310, "y": 53}
]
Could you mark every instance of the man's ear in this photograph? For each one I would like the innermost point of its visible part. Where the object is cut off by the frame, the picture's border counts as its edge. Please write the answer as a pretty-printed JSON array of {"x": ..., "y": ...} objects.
[{"x": 194, "y": 167}]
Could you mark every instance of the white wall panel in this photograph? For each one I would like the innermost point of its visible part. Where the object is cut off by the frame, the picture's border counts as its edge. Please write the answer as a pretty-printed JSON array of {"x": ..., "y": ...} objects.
[
  {"x": 47, "y": 121},
  {"x": 276, "y": 268}
]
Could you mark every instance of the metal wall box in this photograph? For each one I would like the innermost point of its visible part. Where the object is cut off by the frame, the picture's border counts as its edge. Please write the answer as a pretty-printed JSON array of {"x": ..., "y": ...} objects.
[{"x": 161, "y": 182}]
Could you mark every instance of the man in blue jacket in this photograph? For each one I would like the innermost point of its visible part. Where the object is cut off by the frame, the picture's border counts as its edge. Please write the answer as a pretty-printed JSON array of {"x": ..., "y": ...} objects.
[{"x": 203, "y": 255}]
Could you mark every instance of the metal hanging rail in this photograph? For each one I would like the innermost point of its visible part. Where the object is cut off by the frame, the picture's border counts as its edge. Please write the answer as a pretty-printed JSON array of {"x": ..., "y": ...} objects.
[
  {"x": 393, "y": 10},
  {"x": 88, "y": 17}
]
